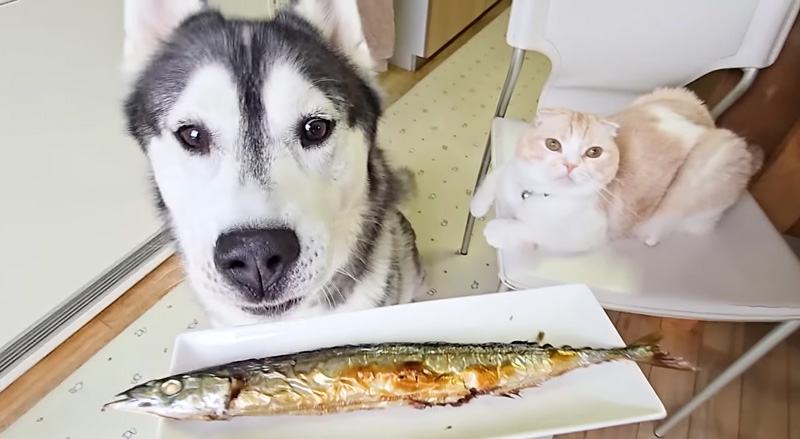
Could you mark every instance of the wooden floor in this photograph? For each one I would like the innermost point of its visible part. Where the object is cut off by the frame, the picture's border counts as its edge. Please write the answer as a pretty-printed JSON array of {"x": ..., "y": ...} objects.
[{"x": 762, "y": 404}]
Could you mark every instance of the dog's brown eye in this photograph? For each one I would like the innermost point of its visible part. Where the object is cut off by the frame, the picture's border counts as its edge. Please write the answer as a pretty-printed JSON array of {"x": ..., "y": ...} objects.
[
  {"x": 552, "y": 144},
  {"x": 315, "y": 131},
  {"x": 194, "y": 138},
  {"x": 594, "y": 152}
]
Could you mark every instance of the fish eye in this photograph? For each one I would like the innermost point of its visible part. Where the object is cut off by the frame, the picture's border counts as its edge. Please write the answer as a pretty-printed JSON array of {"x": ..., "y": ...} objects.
[{"x": 171, "y": 387}]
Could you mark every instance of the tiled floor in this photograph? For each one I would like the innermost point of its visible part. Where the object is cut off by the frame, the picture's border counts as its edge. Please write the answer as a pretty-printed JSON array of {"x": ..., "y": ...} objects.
[{"x": 438, "y": 129}]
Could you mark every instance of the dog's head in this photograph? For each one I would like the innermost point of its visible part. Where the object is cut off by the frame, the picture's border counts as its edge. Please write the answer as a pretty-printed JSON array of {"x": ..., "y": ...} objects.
[{"x": 258, "y": 135}]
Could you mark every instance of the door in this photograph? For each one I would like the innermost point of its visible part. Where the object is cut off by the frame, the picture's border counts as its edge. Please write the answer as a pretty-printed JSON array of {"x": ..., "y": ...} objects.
[{"x": 77, "y": 223}]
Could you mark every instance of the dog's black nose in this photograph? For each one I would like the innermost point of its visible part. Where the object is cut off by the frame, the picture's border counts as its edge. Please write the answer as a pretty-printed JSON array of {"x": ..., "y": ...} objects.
[{"x": 255, "y": 259}]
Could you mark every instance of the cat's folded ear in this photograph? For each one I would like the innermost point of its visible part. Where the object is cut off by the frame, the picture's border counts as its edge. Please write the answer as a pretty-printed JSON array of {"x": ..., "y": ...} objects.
[
  {"x": 610, "y": 127},
  {"x": 543, "y": 114}
]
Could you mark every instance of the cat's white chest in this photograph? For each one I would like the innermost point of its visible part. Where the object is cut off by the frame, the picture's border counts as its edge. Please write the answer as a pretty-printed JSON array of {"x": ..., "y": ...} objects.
[{"x": 558, "y": 222}]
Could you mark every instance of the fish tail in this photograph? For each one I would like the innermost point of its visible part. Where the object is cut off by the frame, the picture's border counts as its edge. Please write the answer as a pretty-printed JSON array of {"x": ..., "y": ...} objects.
[
  {"x": 651, "y": 339},
  {"x": 647, "y": 350}
]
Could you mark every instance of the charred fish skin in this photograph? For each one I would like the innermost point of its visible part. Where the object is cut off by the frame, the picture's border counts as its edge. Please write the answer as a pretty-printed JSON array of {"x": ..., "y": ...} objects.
[
  {"x": 373, "y": 376},
  {"x": 377, "y": 376}
]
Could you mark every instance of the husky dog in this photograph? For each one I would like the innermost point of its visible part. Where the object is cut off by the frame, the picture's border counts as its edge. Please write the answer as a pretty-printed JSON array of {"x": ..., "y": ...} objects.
[{"x": 261, "y": 136}]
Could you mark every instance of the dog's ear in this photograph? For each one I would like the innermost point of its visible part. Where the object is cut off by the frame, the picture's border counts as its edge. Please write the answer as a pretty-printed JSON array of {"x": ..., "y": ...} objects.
[
  {"x": 340, "y": 22},
  {"x": 146, "y": 24}
]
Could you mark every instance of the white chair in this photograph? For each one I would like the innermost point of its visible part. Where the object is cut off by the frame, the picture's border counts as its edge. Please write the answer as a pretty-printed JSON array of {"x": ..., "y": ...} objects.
[{"x": 603, "y": 55}]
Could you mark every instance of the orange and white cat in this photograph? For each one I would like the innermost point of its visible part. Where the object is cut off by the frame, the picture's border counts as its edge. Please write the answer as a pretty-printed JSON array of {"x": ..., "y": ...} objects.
[{"x": 579, "y": 180}]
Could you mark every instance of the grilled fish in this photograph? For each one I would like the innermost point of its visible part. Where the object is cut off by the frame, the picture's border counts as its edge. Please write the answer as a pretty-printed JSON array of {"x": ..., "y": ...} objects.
[{"x": 374, "y": 376}]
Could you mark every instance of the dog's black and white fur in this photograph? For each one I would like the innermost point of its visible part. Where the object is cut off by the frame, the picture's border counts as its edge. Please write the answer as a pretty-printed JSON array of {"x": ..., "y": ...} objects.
[{"x": 261, "y": 136}]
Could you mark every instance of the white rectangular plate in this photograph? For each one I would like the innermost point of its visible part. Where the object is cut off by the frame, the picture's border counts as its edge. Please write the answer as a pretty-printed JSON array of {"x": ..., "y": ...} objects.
[{"x": 600, "y": 396}]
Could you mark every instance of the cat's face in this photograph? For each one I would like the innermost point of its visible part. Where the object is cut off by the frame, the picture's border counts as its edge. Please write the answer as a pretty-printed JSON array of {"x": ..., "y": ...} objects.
[{"x": 566, "y": 152}]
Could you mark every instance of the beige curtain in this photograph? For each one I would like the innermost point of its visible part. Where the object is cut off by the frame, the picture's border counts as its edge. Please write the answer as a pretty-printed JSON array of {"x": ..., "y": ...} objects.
[{"x": 377, "y": 21}]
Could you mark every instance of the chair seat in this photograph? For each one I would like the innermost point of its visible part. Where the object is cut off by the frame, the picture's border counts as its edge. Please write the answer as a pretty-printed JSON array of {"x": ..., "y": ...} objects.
[{"x": 743, "y": 271}]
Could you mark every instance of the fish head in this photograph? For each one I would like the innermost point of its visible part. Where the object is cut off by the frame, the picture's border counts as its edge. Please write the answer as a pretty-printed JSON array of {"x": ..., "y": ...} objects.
[{"x": 181, "y": 397}]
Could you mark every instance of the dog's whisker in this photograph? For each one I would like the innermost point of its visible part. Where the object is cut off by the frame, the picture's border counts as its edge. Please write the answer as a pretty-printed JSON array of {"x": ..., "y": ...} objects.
[
  {"x": 338, "y": 291},
  {"x": 358, "y": 254},
  {"x": 326, "y": 295},
  {"x": 345, "y": 273},
  {"x": 329, "y": 297},
  {"x": 324, "y": 80}
]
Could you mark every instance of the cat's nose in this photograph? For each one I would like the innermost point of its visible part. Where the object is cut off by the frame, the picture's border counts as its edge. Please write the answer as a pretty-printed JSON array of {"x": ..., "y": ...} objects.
[{"x": 569, "y": 167}]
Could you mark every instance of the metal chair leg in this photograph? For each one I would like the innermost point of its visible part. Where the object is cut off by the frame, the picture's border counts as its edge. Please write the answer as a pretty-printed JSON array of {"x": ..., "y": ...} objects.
[
  {"x": 775, "y": 337},
  {"x": 514, "y": 68},
  {"x": 744, "y": 84}
]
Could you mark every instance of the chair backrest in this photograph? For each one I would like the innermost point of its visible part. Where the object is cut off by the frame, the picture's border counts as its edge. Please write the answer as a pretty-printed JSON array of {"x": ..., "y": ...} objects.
[{"x": 604, "y": 53}]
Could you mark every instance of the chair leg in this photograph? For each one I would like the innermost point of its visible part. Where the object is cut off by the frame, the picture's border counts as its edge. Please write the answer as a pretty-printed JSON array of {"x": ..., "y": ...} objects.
[
  {"x": 514, "y": 68},
  {"x": 775, "y": 337},
  {"x": 502, "y": 287},
  {"x": 744, "y": 84}
]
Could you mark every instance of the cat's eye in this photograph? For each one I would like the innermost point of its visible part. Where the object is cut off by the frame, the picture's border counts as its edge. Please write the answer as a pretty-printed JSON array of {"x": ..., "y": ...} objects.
[
  {"x": 552, "y": 144},
  {"x": 594, "y": 152},
  {"x": 194, "y": 138}
]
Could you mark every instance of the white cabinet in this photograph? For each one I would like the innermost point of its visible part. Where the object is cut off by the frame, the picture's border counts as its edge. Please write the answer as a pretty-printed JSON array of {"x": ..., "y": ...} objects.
[{"x": 423, "y": 27}]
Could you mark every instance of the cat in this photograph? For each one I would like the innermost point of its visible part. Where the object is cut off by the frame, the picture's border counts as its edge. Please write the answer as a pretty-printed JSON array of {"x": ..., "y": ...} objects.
[{"x": 578, "y": 180}]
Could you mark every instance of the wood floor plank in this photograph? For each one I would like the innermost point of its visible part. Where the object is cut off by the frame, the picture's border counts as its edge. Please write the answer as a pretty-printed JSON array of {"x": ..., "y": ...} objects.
[
  {"x": 682, "y": 338},
  {"x": 54, "y": 368},
  {"x": 718, "y": 418},
  {"x": 144, "y": 295},
  {"x": 613, "y": 316},
  {"x": 48, "y": 373},
  {"x": 765, "y": 401},
  {"x": 631, "y": 327},
  {"x": 793, "y": 347}
]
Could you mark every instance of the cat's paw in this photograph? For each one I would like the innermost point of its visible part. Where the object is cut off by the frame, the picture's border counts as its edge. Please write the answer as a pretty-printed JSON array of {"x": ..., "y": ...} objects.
[
  {"x": 496, "y": 234},
  {"x": 650, "y": 238},
  {"x": 479, "y": 207},
  {"x": 651, "y": 241},
  {"x": 504, "y": 234}
]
